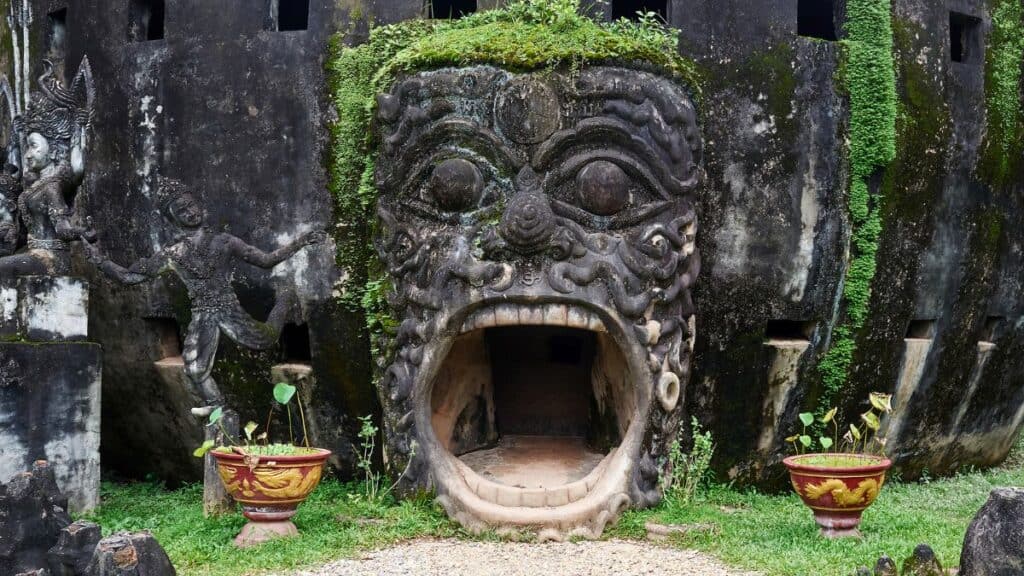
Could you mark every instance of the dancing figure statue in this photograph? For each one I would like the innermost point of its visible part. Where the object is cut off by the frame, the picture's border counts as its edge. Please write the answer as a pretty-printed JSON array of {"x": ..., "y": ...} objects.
[
  {"x": 202, "y": 259},
  {"x": 52, "y": 134}
]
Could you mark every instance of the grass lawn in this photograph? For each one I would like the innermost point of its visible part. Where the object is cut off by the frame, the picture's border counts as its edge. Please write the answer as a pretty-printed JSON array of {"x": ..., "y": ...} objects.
[{"x": 771, "y": 534}]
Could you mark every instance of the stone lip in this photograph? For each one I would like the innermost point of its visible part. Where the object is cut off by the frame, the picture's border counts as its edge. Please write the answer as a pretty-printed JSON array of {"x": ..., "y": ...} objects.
[{"x": 579, "y": 509}]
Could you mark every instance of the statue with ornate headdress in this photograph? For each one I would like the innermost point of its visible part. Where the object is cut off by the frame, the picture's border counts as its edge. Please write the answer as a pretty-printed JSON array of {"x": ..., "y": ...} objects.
[
  {"x": 203, "y": 259},
  {"x": 45, "y": 165}
]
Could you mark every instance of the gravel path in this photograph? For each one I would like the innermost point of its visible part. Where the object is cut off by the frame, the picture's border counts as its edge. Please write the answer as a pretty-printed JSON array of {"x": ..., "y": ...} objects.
[{"x": 457, "y": 558}]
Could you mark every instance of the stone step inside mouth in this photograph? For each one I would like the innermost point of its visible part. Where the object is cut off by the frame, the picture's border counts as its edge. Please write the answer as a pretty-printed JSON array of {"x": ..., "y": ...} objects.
[{"x": 541, "y": 468}]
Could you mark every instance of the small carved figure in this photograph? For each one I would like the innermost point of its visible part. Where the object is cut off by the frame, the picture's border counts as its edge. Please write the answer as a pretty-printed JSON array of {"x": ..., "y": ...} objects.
[
  {"x": 52, "y": 134},
  {"x": 202, "y": 259},
  {"x": 10, "y": 226}
]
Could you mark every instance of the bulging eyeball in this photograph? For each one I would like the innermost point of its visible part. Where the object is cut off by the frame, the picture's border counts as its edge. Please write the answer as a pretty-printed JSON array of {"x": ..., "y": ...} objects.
[
  {"x": 456, "y": 185},
  {"x": 602, "y": 188}
]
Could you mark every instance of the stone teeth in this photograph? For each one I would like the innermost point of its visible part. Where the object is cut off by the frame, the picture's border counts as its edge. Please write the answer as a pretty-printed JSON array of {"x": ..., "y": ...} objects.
[
  {"x": 556, "y": 315},
  {"x": 533, "y": 315},
  {"x": 506, "y": 315},
  {"x": 578, "y": 318},
  {"x": 576, "y": 490}
]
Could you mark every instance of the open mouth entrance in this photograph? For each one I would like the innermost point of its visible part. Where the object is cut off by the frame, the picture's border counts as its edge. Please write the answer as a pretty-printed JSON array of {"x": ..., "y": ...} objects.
[{"x": 532, "y": 406}]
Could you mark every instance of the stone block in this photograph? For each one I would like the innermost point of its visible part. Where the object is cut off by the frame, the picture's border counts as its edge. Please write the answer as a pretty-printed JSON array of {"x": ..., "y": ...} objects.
[
  {"x": 53, "y": 308},
  {"x": 10, "y": 320},
  {"x": 75, "y": 545},
  {"x": 994, "y": 544},
  {"x": 50, "y": 409},
  {"x": 126, "y": 554},
  {"x": 32, "y": 513}
]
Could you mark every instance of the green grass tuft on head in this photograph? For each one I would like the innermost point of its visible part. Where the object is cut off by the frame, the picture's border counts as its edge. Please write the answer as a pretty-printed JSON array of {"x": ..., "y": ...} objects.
[{"x": 525, "y": 35}]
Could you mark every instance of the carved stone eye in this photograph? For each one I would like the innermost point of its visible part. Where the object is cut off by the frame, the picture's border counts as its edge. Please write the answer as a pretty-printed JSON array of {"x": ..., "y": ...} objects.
[
  {"x": 456, "y": 185},
  {"x": 602, "y": 188}
]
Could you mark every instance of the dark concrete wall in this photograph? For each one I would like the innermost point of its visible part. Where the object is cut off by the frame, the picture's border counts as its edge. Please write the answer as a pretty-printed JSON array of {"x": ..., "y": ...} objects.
[{"x": 240, "y": 113}]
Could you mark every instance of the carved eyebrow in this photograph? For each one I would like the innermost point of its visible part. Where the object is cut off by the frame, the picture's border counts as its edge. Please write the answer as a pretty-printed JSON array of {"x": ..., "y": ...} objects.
[
  {"x": 453, "y": 133},
  {"x": 616, "y": 132}
]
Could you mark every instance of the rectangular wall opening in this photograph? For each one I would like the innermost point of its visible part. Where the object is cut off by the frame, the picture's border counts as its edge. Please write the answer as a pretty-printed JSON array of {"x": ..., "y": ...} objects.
[
  {"x": 921, "y": 329},
  {"x": 965, "y": 39},
  {"x": 168, "y": 336},
  {"x": 451, "y": 9},
  {"x": 788, "y": 330},
  {"x": 146, "y": 20},
  {"x": 295, "y": 348},
  {"x": 291, "y": 15},
  {"x": 816, "y": 19},
  {"x": 57, "y": 40},
  {"x": 993, "y": 328},
  {"x": 631, "y": 9}
]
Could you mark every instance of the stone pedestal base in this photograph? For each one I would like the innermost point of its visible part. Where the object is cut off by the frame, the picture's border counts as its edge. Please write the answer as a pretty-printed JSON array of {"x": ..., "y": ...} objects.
[
  {"x": 50, "y": 410},
  {"x": 255, "y": 533}
]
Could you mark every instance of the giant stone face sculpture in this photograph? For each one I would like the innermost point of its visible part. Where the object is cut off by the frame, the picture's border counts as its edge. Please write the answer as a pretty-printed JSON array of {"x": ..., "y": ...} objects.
[{"x": 538, "y": 233}]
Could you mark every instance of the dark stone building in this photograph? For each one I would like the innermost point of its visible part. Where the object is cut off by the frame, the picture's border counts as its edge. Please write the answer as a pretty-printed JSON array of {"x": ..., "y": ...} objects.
[{"x": 230, "y": 97}]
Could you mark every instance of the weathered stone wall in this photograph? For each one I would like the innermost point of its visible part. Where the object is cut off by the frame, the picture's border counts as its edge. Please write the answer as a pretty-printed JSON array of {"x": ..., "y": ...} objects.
[
  {"x": 50, "y": 385},
  {"x": 240, "y": 113}
]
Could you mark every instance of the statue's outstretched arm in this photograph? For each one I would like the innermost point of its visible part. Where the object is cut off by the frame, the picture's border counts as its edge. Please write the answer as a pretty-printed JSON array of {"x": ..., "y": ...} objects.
[
  {"x": 137, "y": 273},
  {"x": 257, "y": 257}
]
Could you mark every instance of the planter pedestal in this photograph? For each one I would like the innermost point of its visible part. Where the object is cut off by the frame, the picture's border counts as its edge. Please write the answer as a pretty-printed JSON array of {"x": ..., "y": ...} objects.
[{"x": 255, "y": 532}]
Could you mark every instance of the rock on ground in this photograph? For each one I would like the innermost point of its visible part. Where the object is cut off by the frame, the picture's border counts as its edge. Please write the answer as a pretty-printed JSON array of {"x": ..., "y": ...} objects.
[
  {"x": 32, "y": 514},
  {"x": 124, "y": 554},
  {"x": 454, "y": 558},
  {"x": 994, "y": 544}
]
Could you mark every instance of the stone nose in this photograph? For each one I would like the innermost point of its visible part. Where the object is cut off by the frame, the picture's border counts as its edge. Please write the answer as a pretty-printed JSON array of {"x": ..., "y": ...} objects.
[{"x": 528, "y": 222}]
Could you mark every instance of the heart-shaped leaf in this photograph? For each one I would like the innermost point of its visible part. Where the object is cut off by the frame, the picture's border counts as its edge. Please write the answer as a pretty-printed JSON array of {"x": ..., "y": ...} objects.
[
  {"x": 881, "y": 402},
  {"x": 871, "y": 420},
  {"x": 828, "y": 416},
  {"x": 283, "y": 392},
  {"x": 855, "y": 431},
  {"x": 826, "y": 442},
  {"x": 249, "y": 429},
  {"x": 806, "y": 441},
  {"x": 793, "y": 438},
  {"x": 216, "y": 415},
  {"x": 807, "y": 418},
  {"x": 202, "y": 450}
]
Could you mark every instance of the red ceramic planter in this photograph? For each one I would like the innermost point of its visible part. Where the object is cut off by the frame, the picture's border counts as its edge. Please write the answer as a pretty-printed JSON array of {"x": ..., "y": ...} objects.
[
  {"x": 270, "y": 489},
  {"x": 838, "y": 495}
]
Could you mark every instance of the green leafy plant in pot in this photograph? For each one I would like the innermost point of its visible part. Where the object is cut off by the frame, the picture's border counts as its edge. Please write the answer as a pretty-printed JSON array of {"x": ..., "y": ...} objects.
[
  {"x": 839, "y": 486},
  {"x": 269, "y": 480}
]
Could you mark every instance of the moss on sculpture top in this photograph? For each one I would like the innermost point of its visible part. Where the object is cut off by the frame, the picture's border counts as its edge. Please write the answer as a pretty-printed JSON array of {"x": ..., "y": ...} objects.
[{"x": 526, "y": 35}]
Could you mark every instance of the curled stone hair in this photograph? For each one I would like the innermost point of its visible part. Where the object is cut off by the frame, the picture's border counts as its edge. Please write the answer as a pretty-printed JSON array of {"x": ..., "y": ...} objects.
[{"x": 55, "y": 112}]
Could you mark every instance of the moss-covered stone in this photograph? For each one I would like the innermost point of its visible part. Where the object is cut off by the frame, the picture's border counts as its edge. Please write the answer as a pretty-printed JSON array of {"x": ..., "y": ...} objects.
[
  {"x": 526, "y": 35},
  {"x": 1003, "y": 148}
]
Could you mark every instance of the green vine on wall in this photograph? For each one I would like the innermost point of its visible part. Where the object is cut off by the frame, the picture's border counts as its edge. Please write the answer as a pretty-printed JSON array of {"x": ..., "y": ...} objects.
[
  {"x": 525, "y": 35},
  {"x": 869, "y": 77},
  {"x": 1004, "y": 137}
]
